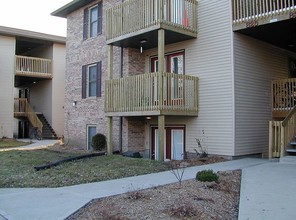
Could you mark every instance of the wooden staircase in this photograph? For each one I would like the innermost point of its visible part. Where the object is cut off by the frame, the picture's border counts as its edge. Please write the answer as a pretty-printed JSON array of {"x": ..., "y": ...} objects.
[
  {"x": 47, "y": 131},
  {"x": 23, "y": 109}
]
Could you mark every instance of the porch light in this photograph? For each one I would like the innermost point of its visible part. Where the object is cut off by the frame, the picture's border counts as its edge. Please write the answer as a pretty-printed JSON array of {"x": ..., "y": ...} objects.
[
  {"x": 143, "y": 41},
  {"x": 148, "y": 118},
  {"x": 74, "y": 103}
]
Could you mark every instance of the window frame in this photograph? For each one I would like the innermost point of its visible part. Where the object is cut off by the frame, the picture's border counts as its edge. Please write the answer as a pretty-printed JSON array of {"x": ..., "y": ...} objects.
[
  {"x": 85, "y": 80},
  {"x": 87, "y": 27},
  {"x": 95, "y": 21},
  {"x": 93, "y": 81},
  {"x": 88, "y": 141}
]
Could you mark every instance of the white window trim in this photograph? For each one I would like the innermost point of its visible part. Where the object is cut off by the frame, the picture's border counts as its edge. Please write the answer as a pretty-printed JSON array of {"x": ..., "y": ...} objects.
[
  {"x": 89, "y": 21},
  {"x": 87, "y": 80}
]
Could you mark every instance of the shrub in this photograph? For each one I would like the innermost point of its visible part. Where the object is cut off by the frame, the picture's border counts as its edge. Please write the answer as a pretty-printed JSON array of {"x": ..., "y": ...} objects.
[
  {"x": 99, "y": 142},
  {"x": 207, "y": 176}
]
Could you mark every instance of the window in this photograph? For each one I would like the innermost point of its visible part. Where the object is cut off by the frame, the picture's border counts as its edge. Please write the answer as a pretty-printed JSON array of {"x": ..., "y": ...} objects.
[
  {"x": 91, "y": 80},
  {"x": 91, "y": 131},
  {"x": 92, "y": 21}
]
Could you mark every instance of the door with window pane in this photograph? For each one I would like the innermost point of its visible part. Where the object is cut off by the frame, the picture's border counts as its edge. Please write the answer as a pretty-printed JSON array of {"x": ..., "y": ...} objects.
[
  {"x": 172, "y": 85},
  {"x": 173, "y": 143}
]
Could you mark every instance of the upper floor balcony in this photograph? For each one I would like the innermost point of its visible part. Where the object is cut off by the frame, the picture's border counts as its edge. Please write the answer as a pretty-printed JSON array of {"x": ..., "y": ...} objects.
[
  {"x": 33, "y": 67},
  {"x": 136, "y": 21},
  {"x": 152, "y": 94},
  {"x": 252, "y": 13}
]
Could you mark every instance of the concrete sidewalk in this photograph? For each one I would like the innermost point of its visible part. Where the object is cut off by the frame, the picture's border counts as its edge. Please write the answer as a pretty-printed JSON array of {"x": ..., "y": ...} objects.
[
  {"x": 35, "y": 144},
  {"x": 268, "y": 192},
  {"x": 58, "y": 203}
]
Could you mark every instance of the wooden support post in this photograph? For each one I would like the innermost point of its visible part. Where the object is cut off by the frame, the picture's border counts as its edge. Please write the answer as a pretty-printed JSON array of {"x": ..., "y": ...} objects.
[
  {"x": 110, "y": 61},
  {"x": 270, "y": 150},
  {"x": 109, "y": 119},
  {"x": 161, "y": 136},
  {"x": 282, "y": 153},
  {"x": 160, "y": 66},
  {"x": 161, "y": 118}
]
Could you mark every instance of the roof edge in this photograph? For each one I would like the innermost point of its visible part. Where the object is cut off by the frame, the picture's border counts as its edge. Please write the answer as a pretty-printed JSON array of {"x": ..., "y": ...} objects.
[
  {"x": 70, "y": 7},
  {"x": 8, "y": 31}
]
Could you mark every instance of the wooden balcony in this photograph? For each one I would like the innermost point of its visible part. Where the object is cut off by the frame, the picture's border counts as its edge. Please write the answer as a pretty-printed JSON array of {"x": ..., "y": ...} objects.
[
  {"x": 252, "y": 13},
  {"x": 283, "y": 97},
  {"x": 152, "y": 94},
  {"x": 33, "y": 67},
  {"x": 133, "y": 21}
]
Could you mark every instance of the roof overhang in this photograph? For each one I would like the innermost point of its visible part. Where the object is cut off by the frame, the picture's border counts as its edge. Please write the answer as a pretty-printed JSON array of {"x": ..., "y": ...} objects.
[
  {"x": 7, "y": 31},
  {"x": 70, "y": 7}
]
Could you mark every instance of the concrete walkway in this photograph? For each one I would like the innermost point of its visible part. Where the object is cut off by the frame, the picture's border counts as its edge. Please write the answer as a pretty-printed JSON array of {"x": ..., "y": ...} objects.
[
  {"x": 266, "y": 192},
  {"x": 35, "y": 144}
]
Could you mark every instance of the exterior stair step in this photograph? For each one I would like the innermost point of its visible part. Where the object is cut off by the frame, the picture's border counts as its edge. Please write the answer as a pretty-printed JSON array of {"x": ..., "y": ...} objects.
[
  {"x": 47, "y": 130},
  {"x": 291, "y": 150},
  {"x": 288, "y": 160},
  {"x": 293, "y": 143}
]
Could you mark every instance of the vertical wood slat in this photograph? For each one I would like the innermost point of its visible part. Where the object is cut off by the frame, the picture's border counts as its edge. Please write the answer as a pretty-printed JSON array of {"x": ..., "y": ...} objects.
[{"x": 246, "y": 10}]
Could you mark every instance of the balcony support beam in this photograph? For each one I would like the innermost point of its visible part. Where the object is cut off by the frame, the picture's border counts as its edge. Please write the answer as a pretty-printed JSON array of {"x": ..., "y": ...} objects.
[{"x": 110, "y": 119}]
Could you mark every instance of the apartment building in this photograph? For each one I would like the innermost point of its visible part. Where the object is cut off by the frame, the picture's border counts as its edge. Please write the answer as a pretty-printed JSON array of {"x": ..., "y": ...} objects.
[
  {"x": 155, "y": 75},
  {"x": 32, "y": 74}
]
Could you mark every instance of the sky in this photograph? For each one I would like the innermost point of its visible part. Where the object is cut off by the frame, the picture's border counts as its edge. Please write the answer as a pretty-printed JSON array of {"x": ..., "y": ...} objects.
[{"x": 34, "y": 15}]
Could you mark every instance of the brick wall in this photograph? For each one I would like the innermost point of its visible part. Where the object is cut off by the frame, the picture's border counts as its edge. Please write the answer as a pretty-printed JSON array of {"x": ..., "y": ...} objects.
[
  {"x": 80, "y": 52},
  {"x": 90, "y": 111}
]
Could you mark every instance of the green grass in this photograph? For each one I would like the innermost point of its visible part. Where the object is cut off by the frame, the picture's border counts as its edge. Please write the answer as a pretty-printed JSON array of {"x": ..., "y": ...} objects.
[
  {"x": 17, "y": 168},
  {"x": 8, "y": 143}
]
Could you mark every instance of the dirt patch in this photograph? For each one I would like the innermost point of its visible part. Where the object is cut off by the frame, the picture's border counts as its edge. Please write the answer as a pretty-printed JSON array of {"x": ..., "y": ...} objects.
[{"x": 193, "y": 200}]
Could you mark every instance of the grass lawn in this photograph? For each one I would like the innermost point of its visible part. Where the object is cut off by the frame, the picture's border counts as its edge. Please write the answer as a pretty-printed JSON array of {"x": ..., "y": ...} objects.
[
  {"x": 8, "y": 143},
  {"x": 17, "y": 168}
]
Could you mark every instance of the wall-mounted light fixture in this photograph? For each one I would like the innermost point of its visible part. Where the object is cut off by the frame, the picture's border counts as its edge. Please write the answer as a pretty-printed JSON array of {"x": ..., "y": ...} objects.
[
  {"x": 143, "y": 41},
  {"x": 74, "y": 103}
]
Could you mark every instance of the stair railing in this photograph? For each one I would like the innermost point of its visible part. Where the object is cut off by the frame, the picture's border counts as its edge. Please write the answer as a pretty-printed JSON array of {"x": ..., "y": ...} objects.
[
  {"x": 281, "y": 133},
  {"x": 25, "y": 107}
]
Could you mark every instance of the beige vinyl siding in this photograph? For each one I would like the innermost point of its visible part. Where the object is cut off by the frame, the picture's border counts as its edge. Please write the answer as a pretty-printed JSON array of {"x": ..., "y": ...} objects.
[
  {"x": 255, "y": 65},
  {"x": 7, "y": 64},
  {"x": 58, "y": 90},
  {"x": 209, "y": 58}
]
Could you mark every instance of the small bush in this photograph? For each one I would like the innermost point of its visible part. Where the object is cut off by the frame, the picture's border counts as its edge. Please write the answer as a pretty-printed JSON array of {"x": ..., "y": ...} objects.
[
  {"x": 207, "y": 176},
  {"x": 99, "y": 142}
]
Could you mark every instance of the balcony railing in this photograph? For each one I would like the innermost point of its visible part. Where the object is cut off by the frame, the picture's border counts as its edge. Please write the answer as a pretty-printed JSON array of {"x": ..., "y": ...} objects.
[
  {"x": 281, "y": 133},
  {"x": 136, "y": 15},
  {"x": 22, "y": 108},
  {"x": 283, "y": 96},
  {"x": 152, "y": 94},
  {"x": 33, "y": 67},
  {"x": 245, "y": 11}
]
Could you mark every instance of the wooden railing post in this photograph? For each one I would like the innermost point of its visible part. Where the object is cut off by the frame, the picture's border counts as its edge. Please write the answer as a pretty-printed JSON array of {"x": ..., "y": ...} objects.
[{"x": 282, "y": 148}]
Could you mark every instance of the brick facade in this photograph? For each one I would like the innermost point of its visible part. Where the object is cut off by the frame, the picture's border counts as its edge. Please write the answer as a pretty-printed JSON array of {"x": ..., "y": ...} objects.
[{"x": 90, "y": 111}]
